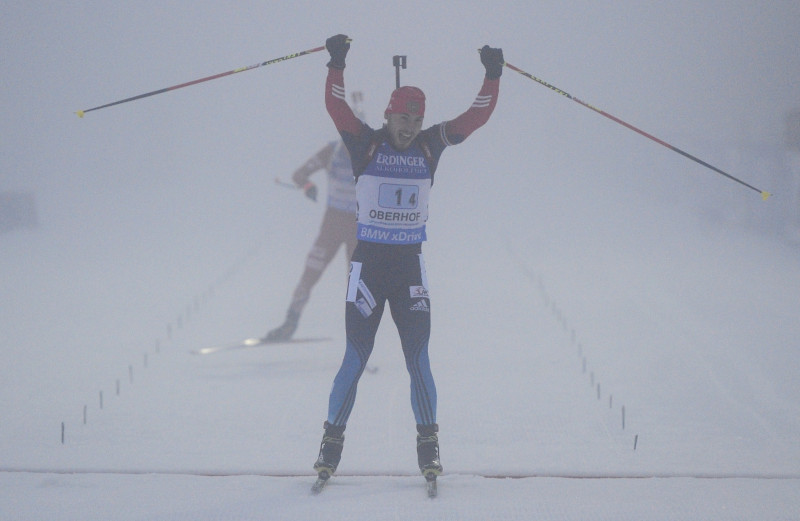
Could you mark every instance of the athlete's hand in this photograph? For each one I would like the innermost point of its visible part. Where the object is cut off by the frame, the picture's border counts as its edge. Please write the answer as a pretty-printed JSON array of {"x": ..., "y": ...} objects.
[
  {"x": 310, "y": 189},
  {"x": 492, "y": 60},
  {"x": 337, "y": 47}
]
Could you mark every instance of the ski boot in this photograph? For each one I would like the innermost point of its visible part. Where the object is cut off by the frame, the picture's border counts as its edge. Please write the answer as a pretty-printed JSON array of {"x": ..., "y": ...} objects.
[
  {"x": 330, "y": 452},
  {"x": 428, "y": 455},
  {"x": 285, "y": 331}
]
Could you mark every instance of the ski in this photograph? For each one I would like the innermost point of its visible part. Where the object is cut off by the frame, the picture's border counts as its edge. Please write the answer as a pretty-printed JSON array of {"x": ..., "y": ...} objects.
[
  {"x": 322, "y": 480},
  {"x": 257, "y": 342},
  {"x": 430, "y": 483}
]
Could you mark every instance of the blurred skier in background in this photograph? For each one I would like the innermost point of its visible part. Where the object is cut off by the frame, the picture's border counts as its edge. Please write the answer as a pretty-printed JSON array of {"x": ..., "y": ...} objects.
[{"x": 338, "y": 225}]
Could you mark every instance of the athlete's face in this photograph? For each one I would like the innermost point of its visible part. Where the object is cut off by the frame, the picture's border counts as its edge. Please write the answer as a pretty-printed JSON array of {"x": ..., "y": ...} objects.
[{"x": 403, "y": 128}]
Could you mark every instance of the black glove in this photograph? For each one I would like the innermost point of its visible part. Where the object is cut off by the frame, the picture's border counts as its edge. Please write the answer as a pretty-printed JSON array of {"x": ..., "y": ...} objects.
[
  {"x": 492, "y": 59},
  {"x": 337, "y": 47},
  {"x": 310, "y": 189}
]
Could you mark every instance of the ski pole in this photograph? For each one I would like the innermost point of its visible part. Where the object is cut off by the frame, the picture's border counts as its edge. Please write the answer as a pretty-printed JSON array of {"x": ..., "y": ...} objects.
[
  {"x": 764, "y": 195},
  {"x": 80, "y": 113},
  {"x": 281, "y": 182},
  {"x": 310, "y": 190}
]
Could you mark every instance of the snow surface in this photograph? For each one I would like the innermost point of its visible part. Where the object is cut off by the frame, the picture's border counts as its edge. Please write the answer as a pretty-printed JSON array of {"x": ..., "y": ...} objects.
[{"x": 575, "y": 272}]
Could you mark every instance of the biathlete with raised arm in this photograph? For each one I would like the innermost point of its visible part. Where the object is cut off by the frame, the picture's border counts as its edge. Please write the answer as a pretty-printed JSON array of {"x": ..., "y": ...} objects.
[{"x": 394, "y": 168}]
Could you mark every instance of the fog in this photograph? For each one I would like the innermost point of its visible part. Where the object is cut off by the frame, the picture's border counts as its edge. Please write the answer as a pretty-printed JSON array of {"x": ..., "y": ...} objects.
[
  {"x": 182, "y": 181},
  {"x": 150, "y": 210}
]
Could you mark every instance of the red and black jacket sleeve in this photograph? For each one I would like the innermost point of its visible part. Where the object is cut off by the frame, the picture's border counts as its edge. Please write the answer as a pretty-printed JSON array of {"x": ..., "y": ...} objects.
[
  {"x": 457, "y": 130},
  {"x": 336, "y": 104},
  {"x": 356, "y": 135}
]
